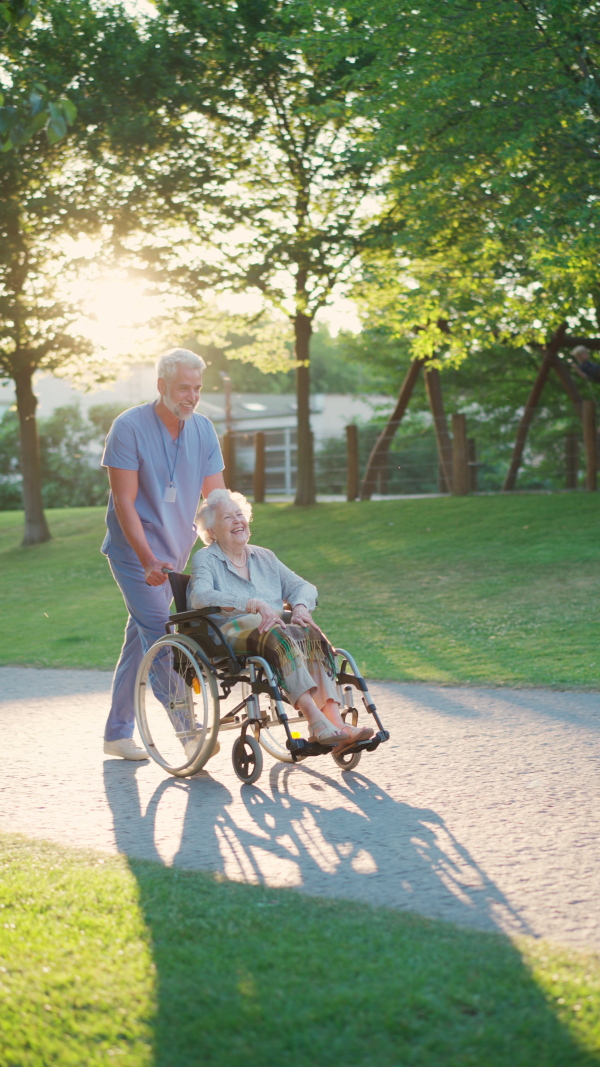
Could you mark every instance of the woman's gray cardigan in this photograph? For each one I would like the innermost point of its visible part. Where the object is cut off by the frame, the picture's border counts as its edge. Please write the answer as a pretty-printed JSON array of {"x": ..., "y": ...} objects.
[{"x": 215, "y": 581}]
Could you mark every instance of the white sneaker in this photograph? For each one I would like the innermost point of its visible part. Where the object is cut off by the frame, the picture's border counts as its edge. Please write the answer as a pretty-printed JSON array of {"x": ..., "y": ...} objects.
[
  {"x": 126, "y": 748},
  {"x": 191, "y": 746}
]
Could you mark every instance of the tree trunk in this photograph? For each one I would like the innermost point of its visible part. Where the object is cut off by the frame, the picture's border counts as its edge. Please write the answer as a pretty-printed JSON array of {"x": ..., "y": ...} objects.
[
  {"x": 566, "y": 379},
  {"x": 444, "y": 444},
  {"x": 36, "y": 527},
  {"x": 305, "y": 477},
  {"x": 460, "y": 456},
  {"x": 532, "y": 402},
  {"x": 590, "y": 440},
  {"x": 381, "y": 447}
]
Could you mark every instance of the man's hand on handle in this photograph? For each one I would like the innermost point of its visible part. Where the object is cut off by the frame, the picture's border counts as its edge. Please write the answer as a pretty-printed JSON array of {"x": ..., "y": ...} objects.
[{"x": 156, "y": 572}]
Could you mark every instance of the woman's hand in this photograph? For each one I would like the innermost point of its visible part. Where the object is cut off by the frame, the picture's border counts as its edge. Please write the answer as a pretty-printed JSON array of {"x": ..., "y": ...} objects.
[
  {"x": 269, "y": 617},
  {"x": 301, "y": 616}
]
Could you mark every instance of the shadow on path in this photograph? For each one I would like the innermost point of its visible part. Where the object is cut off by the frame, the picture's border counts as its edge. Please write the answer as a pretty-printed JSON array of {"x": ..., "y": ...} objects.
[
  {"x": 250, "y": 975},
  {"x": 342, "y": 837}
]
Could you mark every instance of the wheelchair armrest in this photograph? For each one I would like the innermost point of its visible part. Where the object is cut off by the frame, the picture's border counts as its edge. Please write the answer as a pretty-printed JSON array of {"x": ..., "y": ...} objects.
[{"x": 182, "y": 616}]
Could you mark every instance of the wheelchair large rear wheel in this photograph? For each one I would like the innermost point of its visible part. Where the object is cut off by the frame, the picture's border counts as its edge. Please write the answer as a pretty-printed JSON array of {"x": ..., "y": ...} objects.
[{"x": 177, "y": 705}]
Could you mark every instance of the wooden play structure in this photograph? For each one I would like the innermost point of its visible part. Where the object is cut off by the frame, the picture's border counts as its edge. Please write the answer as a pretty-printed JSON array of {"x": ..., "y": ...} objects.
[
  {"x": 453, "y": 453},
  {"x": 456, "y": 455}
]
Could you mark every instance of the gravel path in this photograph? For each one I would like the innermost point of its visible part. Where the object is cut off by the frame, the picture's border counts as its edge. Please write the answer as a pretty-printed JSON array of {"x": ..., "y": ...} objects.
[{"x": 482, "y": 809}]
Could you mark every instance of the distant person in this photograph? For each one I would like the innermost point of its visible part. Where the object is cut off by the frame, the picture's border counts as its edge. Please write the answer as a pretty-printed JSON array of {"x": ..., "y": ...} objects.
[
  {"x": 586, "y": 368},
  {"x": 160, "y": 457}
]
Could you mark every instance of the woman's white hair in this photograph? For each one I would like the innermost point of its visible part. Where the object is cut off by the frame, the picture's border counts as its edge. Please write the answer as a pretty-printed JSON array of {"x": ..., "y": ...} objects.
[
  {"x": 208, "y": 510},
  {"x": 166, "y": 366}
]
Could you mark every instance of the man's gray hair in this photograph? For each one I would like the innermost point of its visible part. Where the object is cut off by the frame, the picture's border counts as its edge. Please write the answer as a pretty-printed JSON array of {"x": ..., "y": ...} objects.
[
  {"x": 208, "y": 510},
  {"x": 166, "y": 366}
]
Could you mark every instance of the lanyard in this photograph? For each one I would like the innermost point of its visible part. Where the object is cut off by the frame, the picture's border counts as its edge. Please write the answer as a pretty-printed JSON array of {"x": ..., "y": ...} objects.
[{"x": 170, "y": 470}]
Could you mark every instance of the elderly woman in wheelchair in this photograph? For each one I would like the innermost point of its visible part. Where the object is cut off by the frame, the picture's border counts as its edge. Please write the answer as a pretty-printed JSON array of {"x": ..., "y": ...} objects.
[{"x": 236, "y": 630}]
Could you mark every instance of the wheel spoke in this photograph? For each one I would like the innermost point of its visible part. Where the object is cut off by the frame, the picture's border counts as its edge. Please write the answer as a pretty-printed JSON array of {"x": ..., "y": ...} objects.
[{"x": 176, "y": 704}]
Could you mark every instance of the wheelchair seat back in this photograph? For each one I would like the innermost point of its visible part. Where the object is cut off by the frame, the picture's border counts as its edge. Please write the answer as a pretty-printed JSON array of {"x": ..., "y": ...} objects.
[
  {"x": 201, "y": 628},
  {"x": 179, "y": 584}
]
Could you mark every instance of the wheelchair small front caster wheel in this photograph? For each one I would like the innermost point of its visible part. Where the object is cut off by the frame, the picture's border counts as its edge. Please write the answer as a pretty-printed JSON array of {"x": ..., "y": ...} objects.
[
  {"x": 247, "y": 759},
  {"x": 347, "y": 760}
]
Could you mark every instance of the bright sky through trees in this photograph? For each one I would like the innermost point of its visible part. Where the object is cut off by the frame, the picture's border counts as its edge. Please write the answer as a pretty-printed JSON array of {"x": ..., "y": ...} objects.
[{"x": 122, "y": 319}]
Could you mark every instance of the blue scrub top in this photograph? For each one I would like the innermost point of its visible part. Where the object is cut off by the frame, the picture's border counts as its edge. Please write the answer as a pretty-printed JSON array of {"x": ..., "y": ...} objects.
[{"x": 138, "y": 440}]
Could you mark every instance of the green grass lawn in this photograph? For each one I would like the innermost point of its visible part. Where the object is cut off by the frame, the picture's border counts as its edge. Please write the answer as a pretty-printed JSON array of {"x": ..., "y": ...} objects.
[
  {"x": 108, "y": 960},
  {"x": 499, "y": 590}
]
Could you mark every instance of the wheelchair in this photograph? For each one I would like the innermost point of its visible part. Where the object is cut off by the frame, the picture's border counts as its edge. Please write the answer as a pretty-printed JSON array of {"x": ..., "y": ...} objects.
[{"x": 187, "y": 676}]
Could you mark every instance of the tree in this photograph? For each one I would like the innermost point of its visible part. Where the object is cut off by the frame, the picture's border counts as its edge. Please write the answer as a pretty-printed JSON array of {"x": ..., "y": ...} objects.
[
  {"x": 70, "y": 445},
  {"x": 488, "y": 117},
  {"x": 51, "y": 193},
  {"x": 30, "y": 107},
  {"x": 293, "y": 205}
]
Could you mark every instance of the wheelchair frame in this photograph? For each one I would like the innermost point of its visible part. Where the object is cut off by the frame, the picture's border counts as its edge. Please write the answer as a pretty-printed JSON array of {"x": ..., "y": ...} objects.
[{"x": 199, "y": 642}]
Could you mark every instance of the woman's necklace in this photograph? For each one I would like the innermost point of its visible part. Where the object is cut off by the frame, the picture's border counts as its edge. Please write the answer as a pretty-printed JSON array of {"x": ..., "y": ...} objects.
[{"x": 239, "y": 565}]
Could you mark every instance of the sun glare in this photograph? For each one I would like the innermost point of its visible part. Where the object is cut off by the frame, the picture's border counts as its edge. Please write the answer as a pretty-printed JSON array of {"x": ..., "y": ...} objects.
[{"x": 119, "y": 317}]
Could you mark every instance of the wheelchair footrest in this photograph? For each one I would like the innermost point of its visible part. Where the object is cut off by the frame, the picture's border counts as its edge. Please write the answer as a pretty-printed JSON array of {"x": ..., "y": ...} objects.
[
  {"x": 373, "y": 742},
  {"x": 301, "y": 748}
]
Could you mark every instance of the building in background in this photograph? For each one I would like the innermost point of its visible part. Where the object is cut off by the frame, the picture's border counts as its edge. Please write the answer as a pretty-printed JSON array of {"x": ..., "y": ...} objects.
[{"x": 272, "y": 413}]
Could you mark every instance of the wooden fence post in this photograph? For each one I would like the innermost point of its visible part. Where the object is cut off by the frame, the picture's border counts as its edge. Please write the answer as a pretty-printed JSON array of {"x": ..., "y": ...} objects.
[
  {"x": 353, "y": 476},
  {"x": 259, "y": 467},
  {"x": 473, "y": 465},
  {"x": 229, "y": 459},
  {"x": 460, "y": 456},
  {"x": 571, "y": 460},
  {"x": 588, "y": 412},
  {"x": 436, "y": 403}
]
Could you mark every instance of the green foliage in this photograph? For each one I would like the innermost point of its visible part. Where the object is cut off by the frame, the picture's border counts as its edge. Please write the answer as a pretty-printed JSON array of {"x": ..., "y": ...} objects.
[
  {"x": 301, "y": 176},
  {"x": 56, "y": 190},
  {"x": 11, "y": 497},
  {"x": 104, "y": 957},
  {"x": 31, "y": 107},
  {"x": 70, "y": 453},
  {"x": 101, "y": 418},
  {"x": 18, "y": 13},
  {"x": 337, "y": 366},
  {"x": 488, "y": 117},
  {"x": 70, "y": 476}
]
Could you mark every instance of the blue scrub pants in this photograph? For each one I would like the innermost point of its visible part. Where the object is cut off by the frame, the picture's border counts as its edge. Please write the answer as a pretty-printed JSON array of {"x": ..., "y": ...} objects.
[{"x": 148, "y": 607}]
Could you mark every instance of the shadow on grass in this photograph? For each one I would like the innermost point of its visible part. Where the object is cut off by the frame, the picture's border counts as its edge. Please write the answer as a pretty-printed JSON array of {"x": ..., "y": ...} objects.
[{"x": 256, "y": 974}]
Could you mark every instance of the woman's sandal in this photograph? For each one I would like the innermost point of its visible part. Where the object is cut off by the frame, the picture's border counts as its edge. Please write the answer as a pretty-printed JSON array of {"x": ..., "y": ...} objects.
[
  {"x": 327, "y": 736},
  {"x": 351, "y": 739}
]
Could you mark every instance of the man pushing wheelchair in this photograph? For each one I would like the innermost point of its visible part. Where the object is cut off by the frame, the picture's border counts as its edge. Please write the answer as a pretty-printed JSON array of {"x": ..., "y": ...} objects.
[{"x": 161, "y": 457}]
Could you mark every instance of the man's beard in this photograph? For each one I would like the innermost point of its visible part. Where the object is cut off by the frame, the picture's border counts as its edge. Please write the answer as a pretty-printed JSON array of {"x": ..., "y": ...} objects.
[{"x": 175, "y": 408}]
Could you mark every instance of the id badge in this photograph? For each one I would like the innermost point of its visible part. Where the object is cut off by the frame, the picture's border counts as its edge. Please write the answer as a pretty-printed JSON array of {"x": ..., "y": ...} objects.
[{"x": 170, "y": 494}]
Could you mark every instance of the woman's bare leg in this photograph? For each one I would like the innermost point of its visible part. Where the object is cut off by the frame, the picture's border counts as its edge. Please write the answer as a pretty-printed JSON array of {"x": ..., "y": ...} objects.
[
  {"x": 316, "y": 718},
  {"x": 331, "y": 709}
]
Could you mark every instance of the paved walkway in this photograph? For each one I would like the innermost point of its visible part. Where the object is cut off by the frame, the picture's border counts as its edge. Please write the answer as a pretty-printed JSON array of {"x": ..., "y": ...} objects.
[{"x": 482, "y": 809}]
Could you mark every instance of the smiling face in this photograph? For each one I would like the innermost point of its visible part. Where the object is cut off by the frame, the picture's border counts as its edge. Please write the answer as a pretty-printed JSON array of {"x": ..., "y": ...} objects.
[
  {"x": 181, "y": 393},
  {"x": 230, "y": 528}
]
